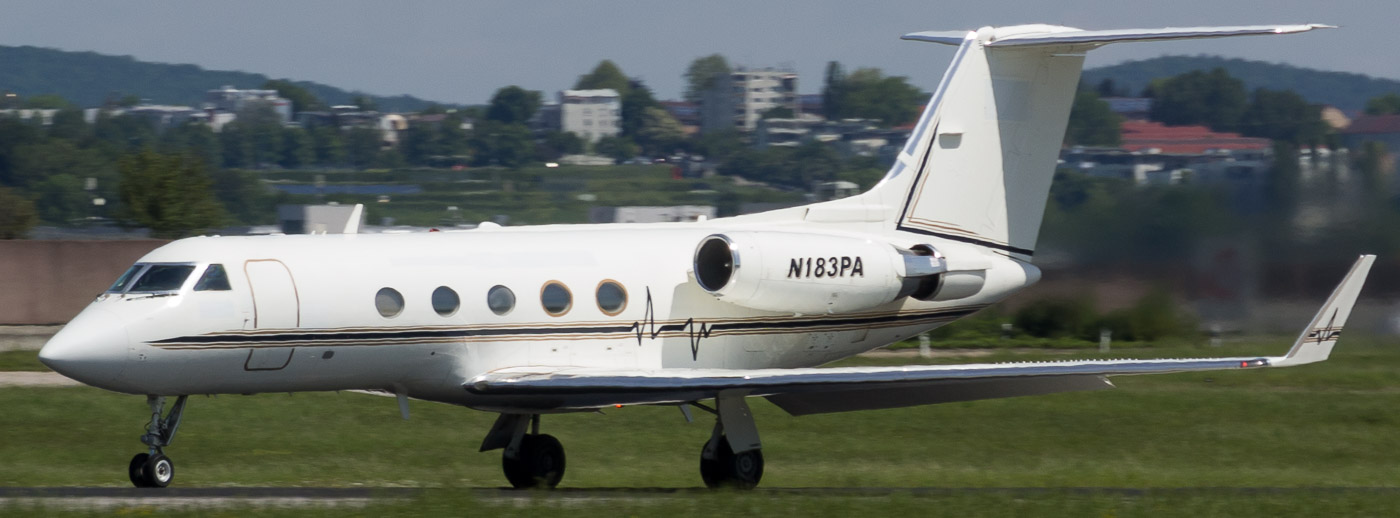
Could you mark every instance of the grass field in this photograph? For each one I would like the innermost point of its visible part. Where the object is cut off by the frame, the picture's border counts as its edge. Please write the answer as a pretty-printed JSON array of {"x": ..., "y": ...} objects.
[{"x": 1327, "y": 427}]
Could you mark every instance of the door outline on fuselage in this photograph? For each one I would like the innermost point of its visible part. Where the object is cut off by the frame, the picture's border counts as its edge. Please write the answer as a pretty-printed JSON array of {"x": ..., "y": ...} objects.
[{"x": 268, "y": 358}]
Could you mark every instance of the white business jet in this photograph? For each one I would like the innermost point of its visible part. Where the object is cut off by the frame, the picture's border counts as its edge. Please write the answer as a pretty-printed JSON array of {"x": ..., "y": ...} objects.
[{"x": 570, "y": 318}]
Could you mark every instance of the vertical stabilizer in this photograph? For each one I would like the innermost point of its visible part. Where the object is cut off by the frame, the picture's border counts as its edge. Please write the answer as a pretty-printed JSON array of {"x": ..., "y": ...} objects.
[{"x": 978, "y": 166}]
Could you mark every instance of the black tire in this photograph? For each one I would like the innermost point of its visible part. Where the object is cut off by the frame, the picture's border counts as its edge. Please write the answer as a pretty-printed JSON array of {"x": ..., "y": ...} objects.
[
  {"x": 712, "y": 469},
  {"x": 158, "y": 471},
  {"x": 731, "y": 470},
  {"x": 539, "y": 463},
  {"x": 134, "y": 470}
]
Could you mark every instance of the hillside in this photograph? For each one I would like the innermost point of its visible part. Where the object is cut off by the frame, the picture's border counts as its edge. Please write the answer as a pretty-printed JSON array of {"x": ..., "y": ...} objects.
[
  {"x": 1344, "y": 90},
  {"x": 89, "y": 78}
]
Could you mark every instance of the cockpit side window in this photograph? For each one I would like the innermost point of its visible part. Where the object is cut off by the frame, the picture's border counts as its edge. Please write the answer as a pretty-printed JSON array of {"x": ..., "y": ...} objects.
[
  {"x": 214, "y": 279},
  {"x": 162, "y": 277},
  {"x": 126, "y": 278}
]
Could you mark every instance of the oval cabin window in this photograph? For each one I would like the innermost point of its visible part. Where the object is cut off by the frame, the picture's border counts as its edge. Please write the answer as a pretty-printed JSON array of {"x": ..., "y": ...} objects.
[
  {"x": 556, "y": 298},
  {"x": 389, "y": 302},
  {"x": 445, "y": 301},
  {"x": 612, "y": 297},
  {"x": 500, "y": 299}
]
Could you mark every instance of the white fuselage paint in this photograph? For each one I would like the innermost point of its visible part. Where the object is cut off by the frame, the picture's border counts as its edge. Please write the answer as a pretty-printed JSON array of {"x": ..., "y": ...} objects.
[{"x": 301, "y": 314}]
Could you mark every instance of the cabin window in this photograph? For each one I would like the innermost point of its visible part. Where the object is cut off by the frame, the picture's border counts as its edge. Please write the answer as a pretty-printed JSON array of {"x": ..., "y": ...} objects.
[
  {"x": 214, "y": 279},
  {"x": 556, "y": 298},
  {"x": 500, "y": 299},
  {"x": 389, "y": 302},
  {"x": 612, "y": 297},
  {"x": 126, "y": 278},
  {"x": 445, "y": 301},
  {"x": 162, "y": 277}
]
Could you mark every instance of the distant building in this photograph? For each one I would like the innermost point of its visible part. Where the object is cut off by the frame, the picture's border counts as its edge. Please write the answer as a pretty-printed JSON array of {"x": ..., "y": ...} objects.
[
  {"x": 590, "y": 114},
  {"x": 1373, "y": 128},
  {"x": 835, "y": 190},
  {"x": 163, "y": 116},
  {"x": 1154, "y": 137},
  {"x": 1152, "y": 153},
  {"x": 851, "y": 137},
  {"x": 650, "y": 214},
  {"x": 1131, "y": 108},
  {"x": 44, "y": 116},
  {"x": 233, "y": 100},
  {"x": 739, "y": 103}
]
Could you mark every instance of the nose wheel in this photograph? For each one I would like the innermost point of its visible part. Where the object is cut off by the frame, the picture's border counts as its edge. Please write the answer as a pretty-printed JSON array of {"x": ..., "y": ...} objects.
[
  {"x": 148, "y": 470},
  {"x": 153, "y": 468}
]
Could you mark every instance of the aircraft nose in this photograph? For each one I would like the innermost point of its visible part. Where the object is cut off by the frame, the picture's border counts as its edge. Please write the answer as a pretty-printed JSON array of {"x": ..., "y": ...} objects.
[{"x": 91, "y": 348}]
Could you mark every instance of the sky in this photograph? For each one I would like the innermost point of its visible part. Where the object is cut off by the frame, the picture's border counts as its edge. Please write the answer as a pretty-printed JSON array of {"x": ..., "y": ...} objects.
[{"x": 462, "y": 51}]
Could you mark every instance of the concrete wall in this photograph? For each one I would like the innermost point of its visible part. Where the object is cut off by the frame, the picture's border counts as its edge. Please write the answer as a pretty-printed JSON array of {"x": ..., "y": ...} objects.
[{"x": 48, "y": 282}]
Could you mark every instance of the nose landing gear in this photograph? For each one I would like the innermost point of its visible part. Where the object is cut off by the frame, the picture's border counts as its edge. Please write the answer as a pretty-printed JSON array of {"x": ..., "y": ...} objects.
[{"x": 153, "y": 468}]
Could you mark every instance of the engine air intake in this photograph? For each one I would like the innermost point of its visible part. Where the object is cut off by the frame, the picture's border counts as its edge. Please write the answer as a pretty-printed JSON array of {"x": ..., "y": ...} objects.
[{"x": 715, "y": 262}]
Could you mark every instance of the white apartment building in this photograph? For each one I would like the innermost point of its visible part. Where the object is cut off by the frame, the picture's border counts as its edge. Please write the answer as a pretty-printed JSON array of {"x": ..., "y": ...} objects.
[
  {"x": 590, "y": 114},
  {"x": 740, "y": 102},
  {"x": 233, "y": 100}
]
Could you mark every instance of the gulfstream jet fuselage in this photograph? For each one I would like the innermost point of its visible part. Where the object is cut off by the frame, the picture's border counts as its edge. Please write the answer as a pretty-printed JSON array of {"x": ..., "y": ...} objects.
[{"x": 528, "y": 321}]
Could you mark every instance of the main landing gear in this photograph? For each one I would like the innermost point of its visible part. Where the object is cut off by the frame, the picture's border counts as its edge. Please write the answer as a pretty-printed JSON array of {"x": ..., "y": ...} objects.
[
  {"x": 530, "y": 460},
  {"x": 733, "y": 457},
  {"x": 153, "y": 468}
]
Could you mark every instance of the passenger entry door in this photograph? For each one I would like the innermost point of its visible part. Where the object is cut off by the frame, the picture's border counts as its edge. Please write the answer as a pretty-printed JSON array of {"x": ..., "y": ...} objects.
[{"x": 276, "y": 305}]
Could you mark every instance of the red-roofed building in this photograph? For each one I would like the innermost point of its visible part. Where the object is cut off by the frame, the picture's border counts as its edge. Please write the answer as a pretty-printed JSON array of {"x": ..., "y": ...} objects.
[
  {"x": 1153, "y": 153},
  {"x": 1373, "y": 128},
  {"x": 1153, "y": 137}
]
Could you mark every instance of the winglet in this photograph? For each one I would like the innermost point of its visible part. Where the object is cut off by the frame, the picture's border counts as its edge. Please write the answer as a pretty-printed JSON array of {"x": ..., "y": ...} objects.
[{"x": 1317, "y": 340}]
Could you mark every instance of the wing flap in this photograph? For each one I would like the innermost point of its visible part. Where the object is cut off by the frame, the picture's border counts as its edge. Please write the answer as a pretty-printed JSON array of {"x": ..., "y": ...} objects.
[{"x": 824, "y": 402}]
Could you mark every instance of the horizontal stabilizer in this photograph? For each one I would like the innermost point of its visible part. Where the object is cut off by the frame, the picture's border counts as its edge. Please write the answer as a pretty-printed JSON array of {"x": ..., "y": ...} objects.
[{"x": 1029, "y": 35}]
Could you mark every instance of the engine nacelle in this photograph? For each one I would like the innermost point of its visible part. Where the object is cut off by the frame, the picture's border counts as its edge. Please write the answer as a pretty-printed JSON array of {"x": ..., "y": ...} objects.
[
  {"x": 815, "y": 273},
  {"x": 955, "y": 278}
]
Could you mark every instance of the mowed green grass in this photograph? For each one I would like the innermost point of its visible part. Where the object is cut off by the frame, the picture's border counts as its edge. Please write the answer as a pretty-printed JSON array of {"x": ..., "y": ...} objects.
[
  {"x": 1330, "y": 425},
  {"x": 21, "y": 361}
]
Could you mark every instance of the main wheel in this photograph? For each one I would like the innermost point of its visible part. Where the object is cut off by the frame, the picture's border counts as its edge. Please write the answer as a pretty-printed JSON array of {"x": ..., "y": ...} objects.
[
  {"x": 134, "y": 470},
  {"x": 539, "y": 463},
  {"x": 158, "y": 471},
  {"x": 712, "y": 469},
  {"x": 730, "y": 470}
]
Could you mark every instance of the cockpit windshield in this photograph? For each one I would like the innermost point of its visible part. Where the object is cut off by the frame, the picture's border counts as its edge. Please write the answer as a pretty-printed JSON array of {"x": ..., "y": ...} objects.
[
  {"x": 126, "y": 278},
  {"x": 162, "y": 277}
]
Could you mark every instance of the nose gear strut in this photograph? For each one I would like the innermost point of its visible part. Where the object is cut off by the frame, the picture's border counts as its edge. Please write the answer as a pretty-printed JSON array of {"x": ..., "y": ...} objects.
[{"x": 153, "y": 468}]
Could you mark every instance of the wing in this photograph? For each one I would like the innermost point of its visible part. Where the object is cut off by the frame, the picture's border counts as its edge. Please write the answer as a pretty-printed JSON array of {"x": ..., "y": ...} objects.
[{"x": 820, "y": 390}]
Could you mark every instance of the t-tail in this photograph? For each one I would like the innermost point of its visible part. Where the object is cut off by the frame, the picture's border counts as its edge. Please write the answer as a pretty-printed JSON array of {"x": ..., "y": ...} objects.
[{"x": 978, "y": 165}]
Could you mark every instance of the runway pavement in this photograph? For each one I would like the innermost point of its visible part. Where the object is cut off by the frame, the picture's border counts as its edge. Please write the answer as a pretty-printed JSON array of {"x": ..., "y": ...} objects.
[
  {"x": 230, "y": 497},
  {"x": 35, "y": 379}
]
